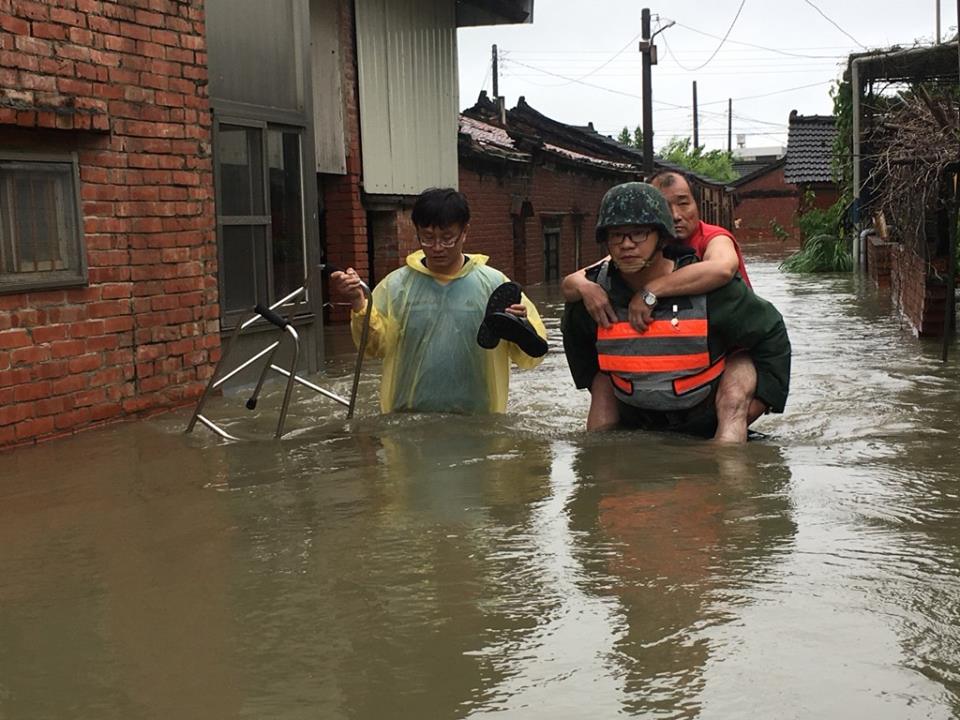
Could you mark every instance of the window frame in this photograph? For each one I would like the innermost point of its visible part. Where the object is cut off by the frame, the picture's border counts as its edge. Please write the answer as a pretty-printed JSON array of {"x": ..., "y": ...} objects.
[
  {"x": 50, "y": 279},
  {"x": 228, "y": 318}
]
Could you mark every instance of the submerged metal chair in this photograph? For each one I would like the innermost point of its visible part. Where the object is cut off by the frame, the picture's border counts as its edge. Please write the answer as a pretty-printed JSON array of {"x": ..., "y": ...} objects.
[{"x": 267, "y": 314}]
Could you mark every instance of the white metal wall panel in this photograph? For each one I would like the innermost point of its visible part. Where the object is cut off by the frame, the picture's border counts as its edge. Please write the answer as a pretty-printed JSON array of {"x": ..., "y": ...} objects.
[{"x": 407, "y": 62}]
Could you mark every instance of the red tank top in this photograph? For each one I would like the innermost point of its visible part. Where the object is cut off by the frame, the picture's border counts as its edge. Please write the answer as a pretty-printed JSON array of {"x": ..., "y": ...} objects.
[{"x": 702, "y": 237}]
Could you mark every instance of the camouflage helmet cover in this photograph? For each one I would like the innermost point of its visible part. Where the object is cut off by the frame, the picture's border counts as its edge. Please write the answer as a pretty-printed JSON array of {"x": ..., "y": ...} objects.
[{"x": 634, "y": 203}]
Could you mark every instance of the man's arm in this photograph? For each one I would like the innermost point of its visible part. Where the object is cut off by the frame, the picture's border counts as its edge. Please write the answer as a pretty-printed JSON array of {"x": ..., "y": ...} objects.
[
  {"x": 577, "y": 287},
  {"x": 719, "y": 265}
]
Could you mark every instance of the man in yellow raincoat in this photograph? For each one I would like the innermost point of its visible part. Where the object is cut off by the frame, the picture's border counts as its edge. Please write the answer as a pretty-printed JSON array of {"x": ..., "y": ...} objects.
[{"x": 426, "y": 316}]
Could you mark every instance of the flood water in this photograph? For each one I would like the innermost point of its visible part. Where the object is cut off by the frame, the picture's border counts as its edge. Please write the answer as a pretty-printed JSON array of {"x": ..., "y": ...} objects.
[{"x": 451, "y": 567}]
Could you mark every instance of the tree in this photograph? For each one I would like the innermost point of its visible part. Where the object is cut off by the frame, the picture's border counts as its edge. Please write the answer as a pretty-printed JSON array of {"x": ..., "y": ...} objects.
[
  {"x": 716, "y": 164},
  {"x": 635, "y": 140}
]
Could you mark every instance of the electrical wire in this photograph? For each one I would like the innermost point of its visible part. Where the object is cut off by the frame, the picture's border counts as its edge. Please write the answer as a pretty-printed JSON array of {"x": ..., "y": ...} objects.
[
  {"x": 615, "y": 56},
  {"x": 754, "y": 45},
  {"x": 598, "y": 87},
  {"x": 763, "y": 95},
  {"x": 722, "y": 41},
  {"x": 808, "y": 2}
]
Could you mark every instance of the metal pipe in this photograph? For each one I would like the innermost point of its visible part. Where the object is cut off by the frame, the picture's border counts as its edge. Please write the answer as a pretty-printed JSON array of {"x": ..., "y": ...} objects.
[
  {"x": 249, "y": 362},
  {"x": 855, "y": 146},
  {"x": 216, "y": 428},
  {"x": 293, "y": 368},
  {"x": 211, "y": 384},
  {"x": 364, "y": 336},
  {"x": 306, "y": 383}
]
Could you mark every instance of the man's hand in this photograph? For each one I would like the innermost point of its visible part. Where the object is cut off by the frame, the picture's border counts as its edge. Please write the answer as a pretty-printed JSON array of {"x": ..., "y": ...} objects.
[
  {"x": 641, "y": 314},
  {"x": 597, "y": 304},
  {"x": 518, "y": 310},
  {"x": 348, "y": 285}
]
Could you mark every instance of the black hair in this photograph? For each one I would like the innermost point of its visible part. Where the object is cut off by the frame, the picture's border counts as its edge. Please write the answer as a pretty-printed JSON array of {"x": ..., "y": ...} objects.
[
  {"x": 665, "y": 178},
  {"x": 440, "y": 207}
]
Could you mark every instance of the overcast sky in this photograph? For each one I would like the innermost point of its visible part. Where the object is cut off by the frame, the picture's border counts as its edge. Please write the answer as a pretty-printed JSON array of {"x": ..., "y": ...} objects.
[{"x": 569, "y": 65}]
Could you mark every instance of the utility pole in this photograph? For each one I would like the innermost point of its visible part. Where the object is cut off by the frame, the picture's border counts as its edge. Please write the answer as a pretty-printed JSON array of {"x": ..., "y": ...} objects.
[
  {"x": 696, "y": 124},
  {"x": 730, "y": 124},
  {"x": 938, "y": 21},
  {"x": 648, "y": 52},
  {"x": 496, "y": 83}
]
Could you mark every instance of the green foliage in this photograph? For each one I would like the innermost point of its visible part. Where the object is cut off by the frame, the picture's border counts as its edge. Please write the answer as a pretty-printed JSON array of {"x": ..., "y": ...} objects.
[
  {"x": 821, "y": 253},
  {"x": 824, "y": 248},
  {"x": 778, "y": 230},
  {"x": 634, "y": 140},
  {"x": 716, "y": 164}
]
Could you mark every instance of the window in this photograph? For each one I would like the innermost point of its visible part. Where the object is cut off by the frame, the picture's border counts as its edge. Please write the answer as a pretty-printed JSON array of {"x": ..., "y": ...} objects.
[
  {"x": 40, "y": 238},
  {"x": 551, "y": 251},
  {"x": 260, "y": 215}
]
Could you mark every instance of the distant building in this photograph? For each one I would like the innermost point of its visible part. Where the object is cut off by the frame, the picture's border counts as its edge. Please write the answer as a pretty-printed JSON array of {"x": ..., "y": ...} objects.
[{"x": 809, "y": 165}]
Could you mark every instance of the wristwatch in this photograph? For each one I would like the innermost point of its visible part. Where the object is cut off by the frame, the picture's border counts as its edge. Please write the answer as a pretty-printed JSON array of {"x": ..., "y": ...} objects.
[{"x": 649, "y": 299}]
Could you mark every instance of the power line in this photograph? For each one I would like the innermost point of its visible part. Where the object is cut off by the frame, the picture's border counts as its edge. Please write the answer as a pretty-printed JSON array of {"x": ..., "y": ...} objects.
[
  {"x": 775, "y": 92},
  {"x": 614, "y": 57},
  {"x": 598, "y": 87},
  {"x": 808, "y": 2},
  {"x": 754, "y": 45},
  {"x": 722, "y": 41}
]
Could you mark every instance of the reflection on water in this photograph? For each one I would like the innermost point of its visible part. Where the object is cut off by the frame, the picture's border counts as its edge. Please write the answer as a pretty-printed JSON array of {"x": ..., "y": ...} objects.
[{"x": 437, "y": 566}]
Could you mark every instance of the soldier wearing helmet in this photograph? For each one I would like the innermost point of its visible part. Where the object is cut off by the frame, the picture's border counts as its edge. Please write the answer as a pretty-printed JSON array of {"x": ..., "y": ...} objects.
[{"x": 681, "y": 372}]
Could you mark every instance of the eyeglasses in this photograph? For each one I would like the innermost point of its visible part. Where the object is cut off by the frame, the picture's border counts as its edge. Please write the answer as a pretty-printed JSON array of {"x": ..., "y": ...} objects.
[
  {"x": 443, "y": 241},
  {"x": 637, "y": 237}
]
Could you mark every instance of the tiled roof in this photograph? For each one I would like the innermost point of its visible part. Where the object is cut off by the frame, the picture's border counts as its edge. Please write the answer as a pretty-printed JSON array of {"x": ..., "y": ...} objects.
[
  {"x": 810, "y": 149},
  {"x": 490, "y": 139},
  {"x": 589, "y": 159}
]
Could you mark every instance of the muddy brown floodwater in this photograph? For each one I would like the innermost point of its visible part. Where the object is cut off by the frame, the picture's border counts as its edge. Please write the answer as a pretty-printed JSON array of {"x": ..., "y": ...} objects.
[{"x": 451, "y": 567}]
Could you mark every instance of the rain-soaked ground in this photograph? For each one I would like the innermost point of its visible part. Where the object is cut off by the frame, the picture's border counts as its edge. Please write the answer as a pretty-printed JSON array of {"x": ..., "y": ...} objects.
[{"x": 448, "y": 567}]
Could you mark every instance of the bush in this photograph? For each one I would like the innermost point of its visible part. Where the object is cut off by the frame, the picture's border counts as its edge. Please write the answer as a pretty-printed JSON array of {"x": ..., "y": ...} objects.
[{"x": 824, "y": 249}]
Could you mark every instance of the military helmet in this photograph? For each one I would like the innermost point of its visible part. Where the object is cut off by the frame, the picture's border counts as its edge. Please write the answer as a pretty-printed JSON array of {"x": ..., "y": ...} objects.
[{"x": 634, "y": 203}]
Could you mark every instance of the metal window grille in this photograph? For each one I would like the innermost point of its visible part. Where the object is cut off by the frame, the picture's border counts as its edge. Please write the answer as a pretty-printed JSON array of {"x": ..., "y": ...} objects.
[{"x": 40, "y": 238}]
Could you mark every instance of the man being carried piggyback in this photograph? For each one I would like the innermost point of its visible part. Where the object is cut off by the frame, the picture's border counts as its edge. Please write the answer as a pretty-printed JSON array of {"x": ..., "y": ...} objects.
[
  {"x": 438, "y": 321},
  {"x": 702, "y": 362}
]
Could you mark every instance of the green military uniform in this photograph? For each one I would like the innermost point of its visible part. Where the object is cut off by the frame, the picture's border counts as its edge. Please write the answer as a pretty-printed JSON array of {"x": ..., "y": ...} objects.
[{"x": 738, "y": 319}]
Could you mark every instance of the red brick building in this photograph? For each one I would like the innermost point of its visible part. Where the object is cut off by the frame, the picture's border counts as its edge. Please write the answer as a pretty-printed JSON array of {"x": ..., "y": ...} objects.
[
  {"x": 108, "y": 277},
  {"x": 765, "y": 210}
]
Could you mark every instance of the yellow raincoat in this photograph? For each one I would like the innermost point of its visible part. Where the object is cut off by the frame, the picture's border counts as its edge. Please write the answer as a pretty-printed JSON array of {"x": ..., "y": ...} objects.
[{"x": 424, "y": 326}]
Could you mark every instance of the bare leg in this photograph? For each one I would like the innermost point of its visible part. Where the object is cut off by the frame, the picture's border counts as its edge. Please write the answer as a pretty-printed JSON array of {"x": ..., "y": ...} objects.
[
  {"x": 736, "y": 405},
  {"x": 603, "y": 413}
]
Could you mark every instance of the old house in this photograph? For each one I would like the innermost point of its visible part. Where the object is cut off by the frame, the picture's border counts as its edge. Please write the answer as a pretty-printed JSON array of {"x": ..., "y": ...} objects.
[
  {"x": 809, "y": 159},
  {"x": 765, "y": 208},
  {"x": 535, "y": 185},
  {"x": 164, "y": 165}
]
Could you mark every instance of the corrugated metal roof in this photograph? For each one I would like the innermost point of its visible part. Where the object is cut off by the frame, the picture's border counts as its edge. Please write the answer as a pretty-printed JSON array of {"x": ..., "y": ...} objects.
[{"x": 810, "y": 149}]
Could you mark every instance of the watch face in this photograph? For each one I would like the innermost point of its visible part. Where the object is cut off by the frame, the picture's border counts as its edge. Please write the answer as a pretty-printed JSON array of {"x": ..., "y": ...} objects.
[{"x": 650, "y": 299}]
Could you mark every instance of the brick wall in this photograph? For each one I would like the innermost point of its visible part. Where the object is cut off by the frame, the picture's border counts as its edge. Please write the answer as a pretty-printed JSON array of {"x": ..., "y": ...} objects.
[
  {"x": 757, "y": 209},
  {"x": 123, "y": 84},
  {"x": 921, "y": 299},
  {"x": 556, "y": 195},
  {"x": 878, "y": 259}
]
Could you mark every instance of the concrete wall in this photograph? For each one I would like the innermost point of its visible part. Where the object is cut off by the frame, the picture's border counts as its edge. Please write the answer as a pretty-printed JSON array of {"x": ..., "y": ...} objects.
[{"x": 124, "y": 85}]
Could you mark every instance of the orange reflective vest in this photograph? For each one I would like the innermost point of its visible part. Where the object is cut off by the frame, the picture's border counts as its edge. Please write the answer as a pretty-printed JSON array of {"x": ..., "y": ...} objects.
[{"x": 668, "y": 366}]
